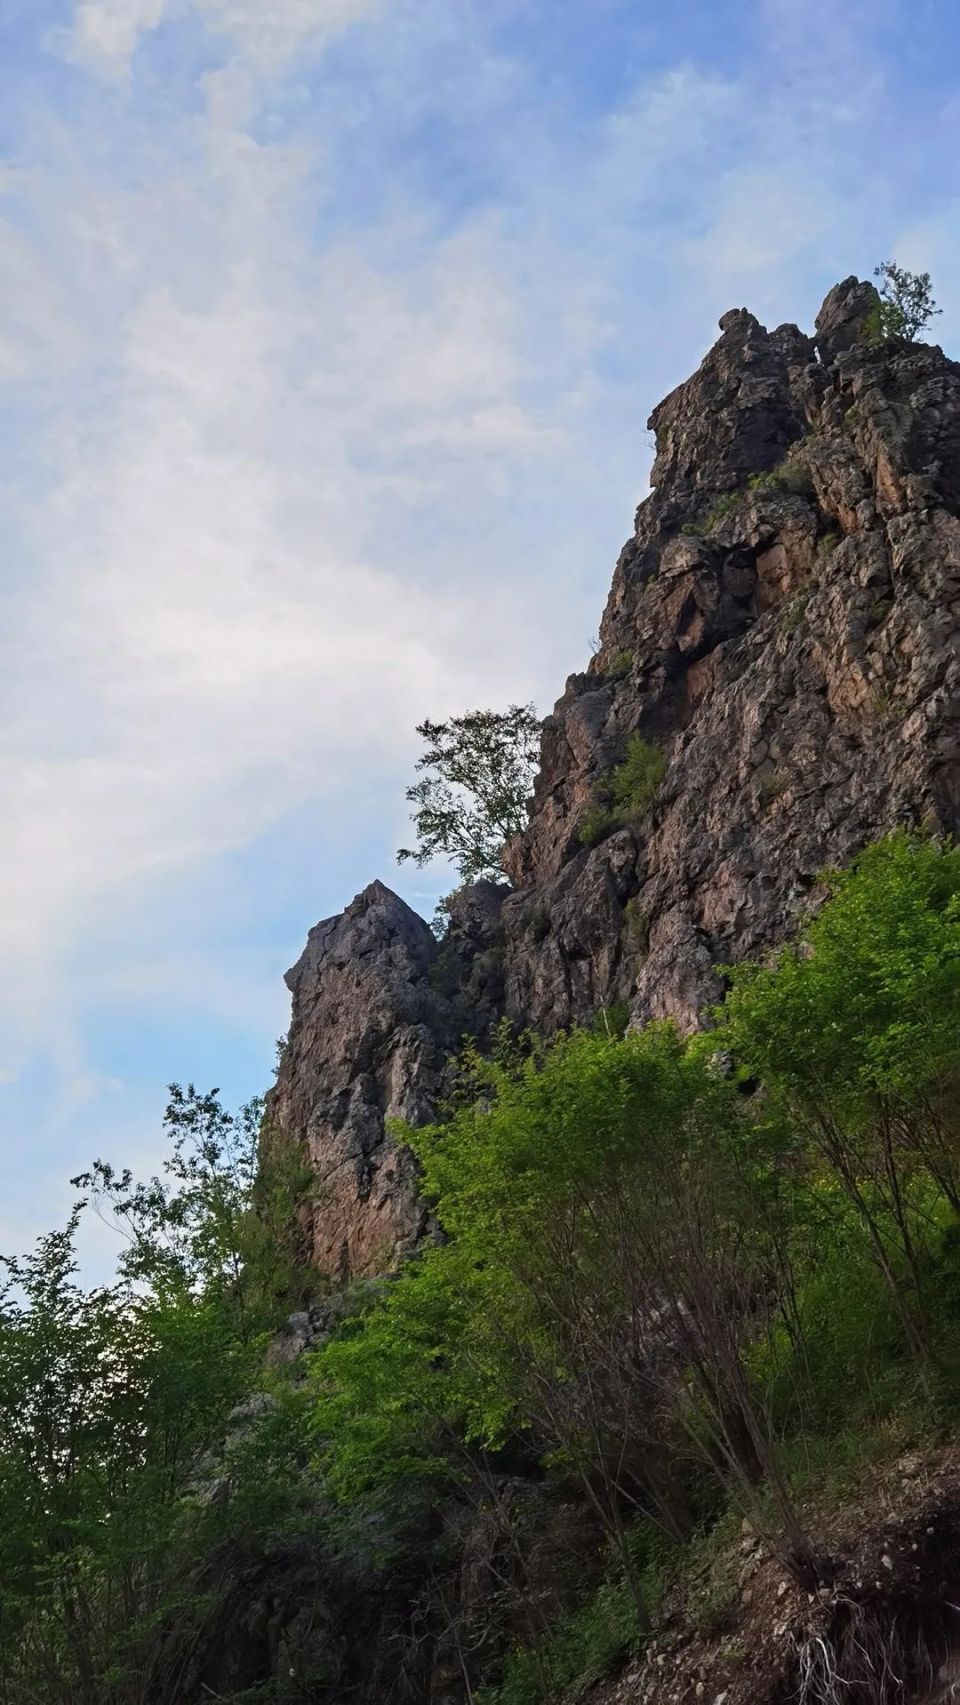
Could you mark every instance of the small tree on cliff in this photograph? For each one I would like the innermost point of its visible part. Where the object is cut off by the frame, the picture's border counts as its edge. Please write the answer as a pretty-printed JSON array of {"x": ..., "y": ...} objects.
[
  {"x": 906, "y": 305},
  {"x": 476, "y": 774}
]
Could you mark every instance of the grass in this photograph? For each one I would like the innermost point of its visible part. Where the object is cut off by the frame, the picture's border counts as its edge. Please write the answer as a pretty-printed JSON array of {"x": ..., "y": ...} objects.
[
  {"x": 626, "y": 793},
  {"x": 795, "y": 611},
  {"x": 792, "y": 476}
]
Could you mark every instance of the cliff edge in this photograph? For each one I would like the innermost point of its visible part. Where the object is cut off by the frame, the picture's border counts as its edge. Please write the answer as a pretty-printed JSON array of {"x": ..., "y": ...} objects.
[{"x": 783, "y": 630}]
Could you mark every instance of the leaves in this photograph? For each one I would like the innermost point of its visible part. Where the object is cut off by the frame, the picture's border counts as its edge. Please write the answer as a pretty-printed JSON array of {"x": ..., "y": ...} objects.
[
  {"x": 111, "y": 1400},
  {"x": 906, "y": 304},
  {"x": 472, "y": 797}
]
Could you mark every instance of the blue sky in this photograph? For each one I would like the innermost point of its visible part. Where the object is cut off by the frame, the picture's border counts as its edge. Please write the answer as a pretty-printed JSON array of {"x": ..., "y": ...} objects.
[{"x": 330, "y": 330}]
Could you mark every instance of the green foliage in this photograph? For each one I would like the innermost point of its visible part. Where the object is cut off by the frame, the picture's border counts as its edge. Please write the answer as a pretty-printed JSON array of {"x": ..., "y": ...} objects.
[
  {"x": 478, "y": 771},
  {"x": 802, "y": 1242},
  {"x": 110, "y": 1400},
  {"x": 794, "y": 611},
  {"x": 718, "y": 512},
  {"x": 577, "y": 1652},
  {"x": 391, "y": 1403},
  {"x": 620, "y": 666},
  {"x": 866, "y": 1003},
  {"x": 626, "y": 793},
  {"x": 791, "y": 476},
  {"x": 597, "y": 824},
  {"x": 905, "y": 304},
  {"x": 223, "y": 1218},
  {"x": 854, "y": 1034}
]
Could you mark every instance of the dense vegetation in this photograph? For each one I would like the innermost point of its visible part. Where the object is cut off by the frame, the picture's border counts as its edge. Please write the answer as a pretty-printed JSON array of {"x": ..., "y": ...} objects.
[{"x": 683, "y": 1281}]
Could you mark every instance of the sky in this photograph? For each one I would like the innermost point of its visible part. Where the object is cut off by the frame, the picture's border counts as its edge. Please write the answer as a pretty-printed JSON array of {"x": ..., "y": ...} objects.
[{"x": 329, "y": 330}]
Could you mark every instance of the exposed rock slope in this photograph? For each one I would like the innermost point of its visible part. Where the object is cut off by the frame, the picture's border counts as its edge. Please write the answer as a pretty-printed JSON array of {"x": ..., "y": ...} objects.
[
  {"x": 783, "y": 625},
  {"x": 378, "y": 1008}
]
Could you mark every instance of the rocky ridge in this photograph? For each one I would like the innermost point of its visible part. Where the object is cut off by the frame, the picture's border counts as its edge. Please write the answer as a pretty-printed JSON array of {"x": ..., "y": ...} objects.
[{"x": 783, "y": 626}]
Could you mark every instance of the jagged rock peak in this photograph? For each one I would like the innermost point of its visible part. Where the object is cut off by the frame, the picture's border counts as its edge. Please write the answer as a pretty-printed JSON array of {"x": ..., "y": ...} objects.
[
  {"x": 376, "y": 919},
  {"x": 378, "y": 1009},
  {"x": 840, "y": 322},
  {"x": 784, "y": 626},
  {"x": 367, "y": 1042}
]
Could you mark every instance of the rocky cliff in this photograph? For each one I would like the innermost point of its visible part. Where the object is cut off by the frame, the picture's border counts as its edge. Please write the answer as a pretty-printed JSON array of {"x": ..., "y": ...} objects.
[{"x": 783, "y": 627}]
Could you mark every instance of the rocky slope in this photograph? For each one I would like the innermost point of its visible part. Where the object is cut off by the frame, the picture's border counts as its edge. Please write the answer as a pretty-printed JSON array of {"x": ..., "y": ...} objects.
[{"x": 783, "y": 626}]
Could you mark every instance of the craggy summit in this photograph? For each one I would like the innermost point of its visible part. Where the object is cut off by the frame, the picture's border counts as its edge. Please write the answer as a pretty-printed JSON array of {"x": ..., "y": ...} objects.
[{"x": 779, "y": 645}]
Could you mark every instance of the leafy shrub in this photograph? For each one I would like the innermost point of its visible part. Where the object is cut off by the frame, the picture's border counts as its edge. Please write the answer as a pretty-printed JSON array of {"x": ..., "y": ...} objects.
[
  {"x": 791, "y": 476},
  {"x": 718, "y": 511},
  {"x": 626, "y": 793},
  {"x": 597, "y": 823},
  {"x": 905, "y": 303}
]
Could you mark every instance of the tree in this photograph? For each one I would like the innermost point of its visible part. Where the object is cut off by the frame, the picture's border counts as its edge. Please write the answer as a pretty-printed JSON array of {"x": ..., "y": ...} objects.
[
  {"x": 853, "y": 1033},
  {"x": 127, "y": 1495},
  {"x": 477, "y": 773},
  {"x": 224, "y": 1221},
  {"x": 906, "y": 302},
  {"x": 619, "y": 1244}
]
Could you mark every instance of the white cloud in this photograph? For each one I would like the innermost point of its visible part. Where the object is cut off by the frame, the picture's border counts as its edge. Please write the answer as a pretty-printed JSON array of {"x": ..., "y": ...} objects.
[
  {"x": 265, "y": 33},
  {"x": 106, "y": 32},
  {"x": 268, "y": 35},
  {"x": 217, "y": 607}
]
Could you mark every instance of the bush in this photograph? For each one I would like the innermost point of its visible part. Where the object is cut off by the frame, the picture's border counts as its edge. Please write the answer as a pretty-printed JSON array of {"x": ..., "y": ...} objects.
[
  {"x": 626, "y": 793},
  {"x": 791, "y": 476},
  {"x": 905, "y": 303}
]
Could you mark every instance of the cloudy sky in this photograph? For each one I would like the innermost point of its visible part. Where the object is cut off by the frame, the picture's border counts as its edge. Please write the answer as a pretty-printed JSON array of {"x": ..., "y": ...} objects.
[{"x": 329, "y": 333}]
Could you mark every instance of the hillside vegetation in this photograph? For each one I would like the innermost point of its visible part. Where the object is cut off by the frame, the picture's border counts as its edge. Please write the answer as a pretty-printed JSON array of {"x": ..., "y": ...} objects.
[{"x": 681, "y": 1282}]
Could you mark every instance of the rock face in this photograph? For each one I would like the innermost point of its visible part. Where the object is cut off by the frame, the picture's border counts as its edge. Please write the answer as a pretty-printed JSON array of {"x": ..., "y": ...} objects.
[
  {"x": 783, "y": 626},
  {"x": 378, "y": 1007}
]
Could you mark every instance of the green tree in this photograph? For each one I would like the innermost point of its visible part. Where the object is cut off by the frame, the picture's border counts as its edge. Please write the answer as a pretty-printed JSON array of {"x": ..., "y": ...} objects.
[
  {"x": 115, "y": 1433},
  {"x": 906, "y": 304},
  {"x": 106, "y": 1398},
  {"x": 579, "y": 1181},
  {"x": 853, "y": 1032},
  {"x": 223, "y": 1220},
  {"x": 477, "y": 774}
]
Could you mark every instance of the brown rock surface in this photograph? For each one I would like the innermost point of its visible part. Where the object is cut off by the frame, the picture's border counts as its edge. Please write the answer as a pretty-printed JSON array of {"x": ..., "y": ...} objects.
[
  {"x": 783, "y": 624},
  {"x": 790, "y": 641},
  {"x": 378, "y": 1007}
]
